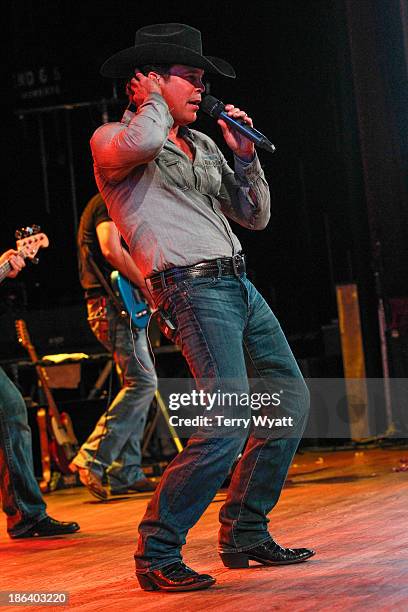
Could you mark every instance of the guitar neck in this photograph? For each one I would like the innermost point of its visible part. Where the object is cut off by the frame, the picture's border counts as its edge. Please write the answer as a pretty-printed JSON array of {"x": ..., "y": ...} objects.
[{"x": 5, "y": 270}]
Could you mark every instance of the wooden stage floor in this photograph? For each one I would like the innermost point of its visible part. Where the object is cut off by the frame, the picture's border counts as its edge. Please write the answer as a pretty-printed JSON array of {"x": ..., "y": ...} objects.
[{"x": 351, "y": 506}]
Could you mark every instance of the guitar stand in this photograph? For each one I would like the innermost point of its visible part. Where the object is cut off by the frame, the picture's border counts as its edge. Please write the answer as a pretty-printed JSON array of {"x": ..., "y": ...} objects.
[
  {"x": 161, "y": 409},
  {"x": 96, "y": 389}
]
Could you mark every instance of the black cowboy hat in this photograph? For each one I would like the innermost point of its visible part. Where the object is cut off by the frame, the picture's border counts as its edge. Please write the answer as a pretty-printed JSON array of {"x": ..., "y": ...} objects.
[{"x": 165, "y": 43}]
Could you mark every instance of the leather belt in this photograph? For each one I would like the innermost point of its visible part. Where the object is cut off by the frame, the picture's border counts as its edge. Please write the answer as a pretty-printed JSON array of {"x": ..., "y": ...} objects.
[{"x": 223, "y": 266}]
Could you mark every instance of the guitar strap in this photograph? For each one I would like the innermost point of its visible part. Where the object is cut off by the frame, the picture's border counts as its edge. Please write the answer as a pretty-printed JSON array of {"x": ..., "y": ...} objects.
[{"x": 116, "y": 302}]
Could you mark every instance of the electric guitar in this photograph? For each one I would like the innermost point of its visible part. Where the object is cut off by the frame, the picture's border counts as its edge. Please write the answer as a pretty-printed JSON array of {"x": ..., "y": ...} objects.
[
  {"x": 30, "y": 241},
  {"x": 61, "y": 444},
  {"x": 129, "y": 296}
]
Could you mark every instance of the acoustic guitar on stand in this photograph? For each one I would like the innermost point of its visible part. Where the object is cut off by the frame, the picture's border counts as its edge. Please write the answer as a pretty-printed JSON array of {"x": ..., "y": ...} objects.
[{"x": 58, "y": 442}]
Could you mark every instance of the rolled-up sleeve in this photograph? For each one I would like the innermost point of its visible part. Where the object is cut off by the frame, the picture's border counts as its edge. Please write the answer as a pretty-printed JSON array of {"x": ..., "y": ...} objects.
[{"x": 245, "y": 196}]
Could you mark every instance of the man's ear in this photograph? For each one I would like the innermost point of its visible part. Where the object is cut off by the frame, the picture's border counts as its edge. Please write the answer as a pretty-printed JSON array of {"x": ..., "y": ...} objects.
[{"x": 153, "y": 75}]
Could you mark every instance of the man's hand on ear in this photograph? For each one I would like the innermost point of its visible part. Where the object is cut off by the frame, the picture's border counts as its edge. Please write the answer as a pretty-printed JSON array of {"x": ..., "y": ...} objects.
[{"x": 141, "y": 86}]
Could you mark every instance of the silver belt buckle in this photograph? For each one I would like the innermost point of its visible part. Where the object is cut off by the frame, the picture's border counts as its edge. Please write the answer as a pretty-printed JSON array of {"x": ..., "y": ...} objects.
[{"x": 237, "y": 260}]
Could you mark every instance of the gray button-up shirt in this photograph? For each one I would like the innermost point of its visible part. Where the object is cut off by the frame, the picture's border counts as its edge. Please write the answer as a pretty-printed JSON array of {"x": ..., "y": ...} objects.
[{"x": 172, "y": 211}]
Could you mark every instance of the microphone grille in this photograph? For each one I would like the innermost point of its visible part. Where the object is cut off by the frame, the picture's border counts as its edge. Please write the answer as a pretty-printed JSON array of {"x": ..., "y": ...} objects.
[{"x": 212, "y": 106}]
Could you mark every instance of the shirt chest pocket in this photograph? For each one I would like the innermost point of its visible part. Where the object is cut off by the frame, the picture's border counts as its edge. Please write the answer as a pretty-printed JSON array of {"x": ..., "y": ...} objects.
[
  {"x": 173, "y": 172},
  {"x": 209, "y": 170}
]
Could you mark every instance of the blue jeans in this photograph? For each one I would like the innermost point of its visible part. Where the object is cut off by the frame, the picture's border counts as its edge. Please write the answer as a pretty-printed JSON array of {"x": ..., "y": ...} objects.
[
  {"x": 114, "y": 445},
  {"x": 20, "y": 494},
  {"x": 218, "y": 321}
]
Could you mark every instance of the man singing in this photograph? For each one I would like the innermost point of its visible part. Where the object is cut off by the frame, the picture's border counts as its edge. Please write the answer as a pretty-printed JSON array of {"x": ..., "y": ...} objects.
[{"x": 170, "y": 191}]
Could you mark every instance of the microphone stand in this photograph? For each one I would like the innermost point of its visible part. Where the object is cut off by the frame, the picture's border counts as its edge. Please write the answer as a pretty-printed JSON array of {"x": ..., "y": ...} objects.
[{"x": 383, "y": 328}]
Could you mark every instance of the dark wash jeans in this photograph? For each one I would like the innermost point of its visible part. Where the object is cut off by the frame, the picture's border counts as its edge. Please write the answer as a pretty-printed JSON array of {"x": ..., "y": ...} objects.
[
  {"x": 217, "y": 319},
  {"x": 20, "y": 494}
]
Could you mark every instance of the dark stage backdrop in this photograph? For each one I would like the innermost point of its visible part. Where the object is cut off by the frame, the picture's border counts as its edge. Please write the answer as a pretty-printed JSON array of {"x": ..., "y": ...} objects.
[{"x": 296, "y": 78}]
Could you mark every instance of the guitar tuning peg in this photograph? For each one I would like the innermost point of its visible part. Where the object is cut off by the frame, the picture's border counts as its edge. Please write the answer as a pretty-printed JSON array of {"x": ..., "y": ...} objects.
[
  {"x": 30, "y": 230},
  {"x": 35, "y": 260}
]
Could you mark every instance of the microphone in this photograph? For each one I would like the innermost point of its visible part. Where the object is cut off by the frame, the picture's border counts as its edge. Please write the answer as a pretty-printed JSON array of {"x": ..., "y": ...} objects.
[{"x": 215, "y": 108}]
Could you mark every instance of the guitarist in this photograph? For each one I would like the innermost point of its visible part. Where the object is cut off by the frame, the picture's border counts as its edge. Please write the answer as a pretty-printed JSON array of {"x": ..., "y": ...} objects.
[
  {"x": 21, "y": 497},
  {"x": 113, "y": 448}
]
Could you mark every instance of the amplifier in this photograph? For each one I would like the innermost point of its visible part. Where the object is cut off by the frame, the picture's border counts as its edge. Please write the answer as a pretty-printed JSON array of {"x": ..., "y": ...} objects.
[{"x": 64, "y": 329}]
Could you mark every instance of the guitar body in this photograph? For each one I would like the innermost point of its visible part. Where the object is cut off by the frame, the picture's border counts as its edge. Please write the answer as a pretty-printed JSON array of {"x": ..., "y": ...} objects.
[
  {"x": 67, "y": 423},
  {"x": 60, "y": 456},
  {"x": 129, "y": 295},
  {"x": 63, "y": 431},
  {"x": 63, "y": 444}
]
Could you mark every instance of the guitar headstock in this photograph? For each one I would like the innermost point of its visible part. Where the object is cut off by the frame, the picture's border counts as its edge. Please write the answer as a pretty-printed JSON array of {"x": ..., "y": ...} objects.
[
  {"x": 22, "y": 333},
  {"x": 29, "y": 240}
]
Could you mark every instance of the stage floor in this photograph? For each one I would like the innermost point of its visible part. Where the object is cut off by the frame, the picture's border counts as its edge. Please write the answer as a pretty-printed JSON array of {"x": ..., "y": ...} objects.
[{"x": 350, "y": 506}]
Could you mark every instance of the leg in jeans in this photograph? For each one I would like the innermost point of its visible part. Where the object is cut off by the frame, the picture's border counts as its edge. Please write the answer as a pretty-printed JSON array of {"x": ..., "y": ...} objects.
[
  {"x": 261, "y": 472},
  {"x": 21, "y": 496},
  {"x": 212, "y": 316},
  {"x": 210, "y": 324},
  {"x": 114, "y": 445}
]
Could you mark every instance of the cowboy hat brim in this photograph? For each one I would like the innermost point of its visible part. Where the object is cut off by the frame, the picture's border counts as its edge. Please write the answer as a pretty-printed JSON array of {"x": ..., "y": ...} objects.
[{"x": 123, "y": 63}]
